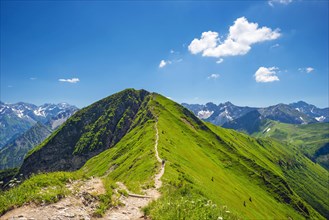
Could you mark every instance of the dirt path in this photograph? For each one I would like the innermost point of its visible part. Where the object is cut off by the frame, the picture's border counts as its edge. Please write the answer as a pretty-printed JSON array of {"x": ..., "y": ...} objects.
[
  {"x": 158, "y": 182},
  {"x": 133, "y": 203},
  {"x": 82, "y": 203}
]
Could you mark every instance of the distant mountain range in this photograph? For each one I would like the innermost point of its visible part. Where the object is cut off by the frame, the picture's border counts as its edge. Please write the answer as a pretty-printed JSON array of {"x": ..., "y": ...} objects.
[
  {"x": 294, "y": 113},
  {"x": 119, "y": 138},
  {"x": 25, "y": 125},
  {"x": 17, "y": 118}
]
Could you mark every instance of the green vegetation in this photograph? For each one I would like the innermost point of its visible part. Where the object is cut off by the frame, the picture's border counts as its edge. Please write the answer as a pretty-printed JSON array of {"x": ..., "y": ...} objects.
[
  {"x": 105, "y": 200},
  {"x": 312, "y": 139},
  {"x": 186, "y": 203},
  {"x": 210, "y": 172},
  {"x": 87, "y": 133},
  {"x": 226, "y": 166},
  {"x": 41, "y": 188}
]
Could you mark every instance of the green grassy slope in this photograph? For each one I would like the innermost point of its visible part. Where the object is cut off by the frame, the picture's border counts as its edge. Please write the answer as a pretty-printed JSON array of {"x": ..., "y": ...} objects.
[
  {"x": 210, "y": 172},
  {"x": 87, "y": 133},
  {"x": 312, "y": 139},
  {"x": 241, "y": 167}
]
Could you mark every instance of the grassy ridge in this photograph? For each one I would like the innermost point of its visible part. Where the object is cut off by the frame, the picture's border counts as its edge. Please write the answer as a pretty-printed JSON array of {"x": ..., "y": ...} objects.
[
  {"x": 211, "y": 172},
  {"x": 227, "y": 167}
]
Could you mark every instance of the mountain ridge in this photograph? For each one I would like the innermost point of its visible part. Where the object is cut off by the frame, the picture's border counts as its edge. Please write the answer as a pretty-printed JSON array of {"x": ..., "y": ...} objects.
[
  {"x": 203, "y": 162},
  {"x": 15, "y": 119},
  {"x": 78, "y": 143},
  {"x": 295, "y": 113}
]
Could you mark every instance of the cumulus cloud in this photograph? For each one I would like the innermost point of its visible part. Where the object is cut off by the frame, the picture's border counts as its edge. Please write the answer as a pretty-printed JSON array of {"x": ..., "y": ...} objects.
[
  {"x": 208, "y": 40},
  {"x": 162, "y": 64},
  {"x": 242, "y": 34},
  {"x": 73, "y": 80},
  {"x": 213, "y": 76},
  {"x": 284, "y": 2},
  {"x": 306, "y": 70},
  {"x": 266, "y": 74}
]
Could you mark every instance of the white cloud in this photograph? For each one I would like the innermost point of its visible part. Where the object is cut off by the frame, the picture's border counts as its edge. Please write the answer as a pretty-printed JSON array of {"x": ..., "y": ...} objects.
[
  {"x": 162, "y": 64},
  {"x": 208, "y": 40},
  {"x": 309, "y": 69},
  {"x": 213, "y": 76},
  {"x": 220, "y": 60},
  {"x": 306, "y": 70},
  {"x": 264, "y": 74},
  {"x": 242, "y": 34},
  {"x": 284, "y": 2},
  {"x": 73, "y": 80},
  {"x": 275, "y": 45},
  {"x": 172, "y": 51}
]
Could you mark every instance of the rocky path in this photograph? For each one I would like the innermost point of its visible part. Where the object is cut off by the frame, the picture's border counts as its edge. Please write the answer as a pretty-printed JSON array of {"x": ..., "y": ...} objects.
[{"x": 82, "y": 203}]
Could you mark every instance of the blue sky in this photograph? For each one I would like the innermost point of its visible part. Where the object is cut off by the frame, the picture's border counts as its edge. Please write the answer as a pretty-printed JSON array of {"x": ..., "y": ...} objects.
[{"x": 254, "y": 53}]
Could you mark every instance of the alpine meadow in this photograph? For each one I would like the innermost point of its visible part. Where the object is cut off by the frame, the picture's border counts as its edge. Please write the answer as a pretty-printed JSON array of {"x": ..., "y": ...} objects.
[{"x": 123, "y": 110}]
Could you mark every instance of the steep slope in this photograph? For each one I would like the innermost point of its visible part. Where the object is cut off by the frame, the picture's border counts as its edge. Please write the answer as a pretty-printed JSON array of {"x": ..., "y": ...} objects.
[
  {"x": 312, "y": 139},
  {"x": 249, "y": 123},
  {"x": 12, "y": 155},
  {"x": 211, "y": 172},
  {"x": 241, "y": 167},
  {"x": 86, "y": 134}
]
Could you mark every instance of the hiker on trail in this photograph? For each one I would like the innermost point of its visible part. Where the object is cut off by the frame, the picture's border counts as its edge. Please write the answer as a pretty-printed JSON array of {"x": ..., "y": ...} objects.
[{"x": 163, "y": 162}]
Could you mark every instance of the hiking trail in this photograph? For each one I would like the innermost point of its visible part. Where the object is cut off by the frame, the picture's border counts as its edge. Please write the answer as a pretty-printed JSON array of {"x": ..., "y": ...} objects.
[{"x": 80, "y": 206}]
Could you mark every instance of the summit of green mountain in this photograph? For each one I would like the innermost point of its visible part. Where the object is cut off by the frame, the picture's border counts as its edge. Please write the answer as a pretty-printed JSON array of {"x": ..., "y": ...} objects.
[{"x": 209, "y": 171}]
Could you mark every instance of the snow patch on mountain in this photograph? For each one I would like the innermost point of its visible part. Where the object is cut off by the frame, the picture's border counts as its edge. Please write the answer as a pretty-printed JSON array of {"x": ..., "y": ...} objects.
[
  {"x": 40, "y": 112},
  {"x": 320, "y": 119},
  {"x": 204, "y": 114},
  {"x": 19, "y": 113}
]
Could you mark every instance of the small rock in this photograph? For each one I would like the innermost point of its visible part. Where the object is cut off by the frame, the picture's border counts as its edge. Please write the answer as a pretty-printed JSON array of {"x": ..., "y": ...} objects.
[
  {"x": 20, "y": 216},
  {"x": 59, "y": 207},
  {"x": 69, "y": 215}
]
